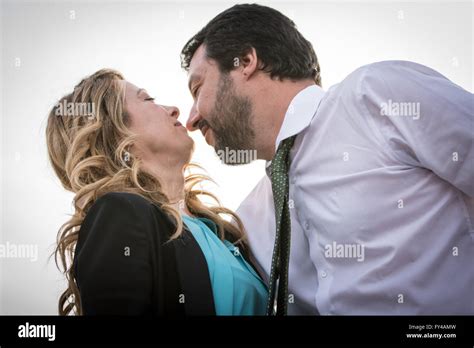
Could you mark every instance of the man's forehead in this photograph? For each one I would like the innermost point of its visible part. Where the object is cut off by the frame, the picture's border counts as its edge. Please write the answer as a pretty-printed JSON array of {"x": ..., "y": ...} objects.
[
  {"x": 197, "y": 66},
  {"x": 199, "y": 59},
  {"x": 200, "y": 62}
]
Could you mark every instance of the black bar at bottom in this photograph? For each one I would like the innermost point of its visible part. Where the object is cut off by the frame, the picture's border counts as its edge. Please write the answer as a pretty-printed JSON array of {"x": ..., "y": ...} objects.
[{"x": 413, "y": 330}]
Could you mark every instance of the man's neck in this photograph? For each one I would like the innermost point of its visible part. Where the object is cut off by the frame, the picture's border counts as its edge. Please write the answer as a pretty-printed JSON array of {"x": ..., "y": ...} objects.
[{"x": 273, "y": 111}]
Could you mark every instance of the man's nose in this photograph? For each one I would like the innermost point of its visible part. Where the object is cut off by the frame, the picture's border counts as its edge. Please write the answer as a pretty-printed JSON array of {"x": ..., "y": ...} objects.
[{"x": 193, "y": 119}]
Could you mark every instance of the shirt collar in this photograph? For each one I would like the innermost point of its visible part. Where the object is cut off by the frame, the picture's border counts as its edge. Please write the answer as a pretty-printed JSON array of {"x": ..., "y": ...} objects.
[{"x": 300, "y": 112}]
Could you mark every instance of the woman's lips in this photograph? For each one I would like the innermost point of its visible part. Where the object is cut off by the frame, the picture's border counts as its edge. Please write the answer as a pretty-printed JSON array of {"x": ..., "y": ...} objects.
[{"x": 180, "y": 126}]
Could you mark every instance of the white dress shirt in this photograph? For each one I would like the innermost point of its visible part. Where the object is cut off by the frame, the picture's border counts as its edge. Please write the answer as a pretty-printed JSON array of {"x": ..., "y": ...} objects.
[{"x": 381, "y": 195}]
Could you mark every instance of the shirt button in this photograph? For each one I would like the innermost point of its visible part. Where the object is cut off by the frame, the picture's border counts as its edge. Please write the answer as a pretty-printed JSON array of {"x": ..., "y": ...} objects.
[
  {"x": 323, "y": 274},
  {"x": 306, "y": 225}
]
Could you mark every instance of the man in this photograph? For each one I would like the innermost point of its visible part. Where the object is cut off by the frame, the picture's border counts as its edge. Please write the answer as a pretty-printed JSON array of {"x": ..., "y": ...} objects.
[{"x": 380, "y": 168}]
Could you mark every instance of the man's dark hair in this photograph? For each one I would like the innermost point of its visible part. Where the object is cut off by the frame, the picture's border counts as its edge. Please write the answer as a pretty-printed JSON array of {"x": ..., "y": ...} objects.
[{"x": 281, "y": 49}]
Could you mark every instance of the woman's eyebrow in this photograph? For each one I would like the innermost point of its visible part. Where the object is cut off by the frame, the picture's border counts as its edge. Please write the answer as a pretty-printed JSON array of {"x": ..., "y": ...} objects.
[{"x": 140, "y": 90}]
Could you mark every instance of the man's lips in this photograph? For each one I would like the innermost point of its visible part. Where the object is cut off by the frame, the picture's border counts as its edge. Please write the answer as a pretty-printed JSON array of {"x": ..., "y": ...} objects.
[
  {"x": 177, "y": 124},
  {"x": 207, "y": 134},
  {"x": 204, "y": 130}
]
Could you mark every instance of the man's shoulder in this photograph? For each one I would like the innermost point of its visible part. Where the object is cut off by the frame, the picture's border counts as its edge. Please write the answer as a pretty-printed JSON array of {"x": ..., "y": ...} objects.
[
  {"x": 379, "y": 79},
  {"x": 384, "y": 71}
]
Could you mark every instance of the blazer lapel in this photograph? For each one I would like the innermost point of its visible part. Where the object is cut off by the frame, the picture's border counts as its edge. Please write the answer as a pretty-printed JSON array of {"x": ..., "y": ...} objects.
[{"x": 194, "y": 276}]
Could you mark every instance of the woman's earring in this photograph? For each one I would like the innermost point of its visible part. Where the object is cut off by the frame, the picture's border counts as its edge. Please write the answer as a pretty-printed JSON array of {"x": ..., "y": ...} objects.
[{"x": 126, "y": 157}]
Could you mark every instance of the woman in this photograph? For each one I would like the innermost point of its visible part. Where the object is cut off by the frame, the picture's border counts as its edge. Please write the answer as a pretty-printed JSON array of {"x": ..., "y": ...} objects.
[{"x": 140, "y": 241}]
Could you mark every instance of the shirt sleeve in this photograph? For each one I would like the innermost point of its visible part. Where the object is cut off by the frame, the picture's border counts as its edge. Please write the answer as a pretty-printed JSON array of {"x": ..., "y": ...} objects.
[
  {"x": 113, "y": 258},
  {"x": 423, "y": 118}
]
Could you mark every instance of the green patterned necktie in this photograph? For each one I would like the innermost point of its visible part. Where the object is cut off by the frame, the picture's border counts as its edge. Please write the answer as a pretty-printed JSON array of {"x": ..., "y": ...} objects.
[{"x": 281, "y": 251}]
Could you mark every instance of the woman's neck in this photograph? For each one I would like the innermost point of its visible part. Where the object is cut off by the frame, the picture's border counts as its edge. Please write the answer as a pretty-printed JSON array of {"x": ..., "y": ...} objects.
[{"x": 172, "y": 182}]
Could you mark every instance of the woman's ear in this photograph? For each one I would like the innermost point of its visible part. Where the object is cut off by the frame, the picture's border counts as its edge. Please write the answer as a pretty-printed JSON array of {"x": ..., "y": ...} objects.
[{"x": 249, "y": 63}]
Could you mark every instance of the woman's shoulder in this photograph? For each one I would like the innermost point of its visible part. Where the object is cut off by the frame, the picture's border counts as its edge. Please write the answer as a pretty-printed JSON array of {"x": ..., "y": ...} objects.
[
  {"x": 122, "y": 198},
  {"x": 125, "y": 203},
  {"x": 124, "y": 213}
]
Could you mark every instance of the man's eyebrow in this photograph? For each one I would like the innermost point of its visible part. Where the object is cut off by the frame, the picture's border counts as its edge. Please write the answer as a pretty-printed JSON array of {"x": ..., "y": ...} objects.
[{"x": 139, "y": 91}]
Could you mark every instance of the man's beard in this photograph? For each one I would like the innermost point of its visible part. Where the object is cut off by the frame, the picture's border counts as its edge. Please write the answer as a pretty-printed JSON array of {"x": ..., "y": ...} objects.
[{"x": 231, "y": 120}]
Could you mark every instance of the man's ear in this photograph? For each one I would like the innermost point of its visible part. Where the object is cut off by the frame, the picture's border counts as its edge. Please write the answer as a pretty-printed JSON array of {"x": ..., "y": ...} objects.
[{"x": 249, "y": 63}]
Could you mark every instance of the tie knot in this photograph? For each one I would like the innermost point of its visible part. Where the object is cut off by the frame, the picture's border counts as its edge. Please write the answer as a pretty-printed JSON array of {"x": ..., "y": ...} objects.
[{"x": 281, "y": 158}]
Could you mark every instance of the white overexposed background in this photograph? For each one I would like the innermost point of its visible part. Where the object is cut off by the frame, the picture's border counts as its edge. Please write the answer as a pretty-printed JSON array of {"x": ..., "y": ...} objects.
[{"x": 48, "y": 46}]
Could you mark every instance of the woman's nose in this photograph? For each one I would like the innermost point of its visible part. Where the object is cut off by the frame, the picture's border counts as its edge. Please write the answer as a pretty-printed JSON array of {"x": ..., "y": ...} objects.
[{"x": 172, "y": 110}]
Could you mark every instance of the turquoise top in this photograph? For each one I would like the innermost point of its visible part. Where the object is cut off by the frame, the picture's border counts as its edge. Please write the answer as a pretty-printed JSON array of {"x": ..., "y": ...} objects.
[{"x": 237, "y": 288}]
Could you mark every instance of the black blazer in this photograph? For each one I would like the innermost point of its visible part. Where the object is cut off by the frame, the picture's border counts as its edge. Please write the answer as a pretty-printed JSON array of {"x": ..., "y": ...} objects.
[{"x": 123, "y": 264}]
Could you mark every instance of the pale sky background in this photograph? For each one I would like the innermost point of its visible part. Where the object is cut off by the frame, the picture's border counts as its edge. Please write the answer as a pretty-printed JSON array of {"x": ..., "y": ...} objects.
[{"x": 48, "y": 46}]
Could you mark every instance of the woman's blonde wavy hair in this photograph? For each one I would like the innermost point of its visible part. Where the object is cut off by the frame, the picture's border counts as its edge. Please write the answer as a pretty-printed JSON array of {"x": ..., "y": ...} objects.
[{"x": 90, "y": 157}]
